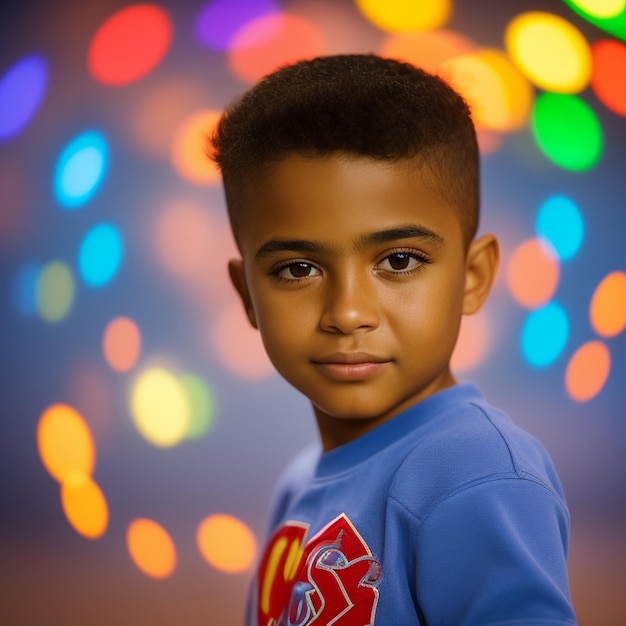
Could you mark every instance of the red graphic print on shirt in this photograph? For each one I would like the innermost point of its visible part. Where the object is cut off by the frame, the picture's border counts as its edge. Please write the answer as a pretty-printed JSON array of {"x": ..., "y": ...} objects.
[{"x": 332, "y": 578}]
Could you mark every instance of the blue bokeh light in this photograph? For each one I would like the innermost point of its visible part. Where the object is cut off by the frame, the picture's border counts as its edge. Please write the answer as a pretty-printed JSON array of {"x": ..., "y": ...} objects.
[
  {"x": 100, "y": 255},
  {"x": 544, "y": 335},
  {"x": 218, "y": 21},
  {"x": 22, "y": 89},
  {"x": 559, "y": 221},
  {"x": 80, "y": 169},
  {"x": 25, "y": 289}
]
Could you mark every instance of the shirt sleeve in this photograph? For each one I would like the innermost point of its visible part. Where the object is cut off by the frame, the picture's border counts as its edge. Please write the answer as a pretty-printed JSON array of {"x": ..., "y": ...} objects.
[{"x": 494, "y": 553}]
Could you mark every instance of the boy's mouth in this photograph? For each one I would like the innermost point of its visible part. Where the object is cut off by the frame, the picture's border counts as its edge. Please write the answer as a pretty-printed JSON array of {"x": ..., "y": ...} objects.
[{"x": 350, "y": 366}]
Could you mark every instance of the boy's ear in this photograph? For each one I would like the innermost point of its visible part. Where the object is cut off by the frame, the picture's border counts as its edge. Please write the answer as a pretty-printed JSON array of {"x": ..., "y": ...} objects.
[
  {"x": 238, "y": 279},
  {"x": 480, "y": 271}
]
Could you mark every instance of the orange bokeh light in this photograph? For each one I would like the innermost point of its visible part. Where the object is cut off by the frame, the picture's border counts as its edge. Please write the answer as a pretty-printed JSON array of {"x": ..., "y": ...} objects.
[
  {"x": 184, "y": 239},
  {"x": 121, "y": 344},
  {"x": 607, "y": 310},
  {"x": 151, "y": 548},
  {"x": 155, "y": 119},
  {"x": 267, "y": 42},
  {"x": 238, "y": 345},
  {"x": 65, "y": 442},
  {"x": 498, "y": 93},
  {"x": 226, "y": 543},
  {"x": 489, "y": 141},
  {"x": 84, "y": 505},
  {"x": 533, "y": 273},
  {"x": 190, "y": 147},
  {"x": 587, "y": 371},
  {"x": 471, "y": 346},
  {"x": 426, "y": 49},
  {"x": 130, "y": 44},
  {"x": 608, "y": 78}
]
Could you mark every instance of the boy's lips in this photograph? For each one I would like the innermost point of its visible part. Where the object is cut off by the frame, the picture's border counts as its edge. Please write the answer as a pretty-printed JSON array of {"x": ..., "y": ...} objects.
[{"x": 350, "y": 366}]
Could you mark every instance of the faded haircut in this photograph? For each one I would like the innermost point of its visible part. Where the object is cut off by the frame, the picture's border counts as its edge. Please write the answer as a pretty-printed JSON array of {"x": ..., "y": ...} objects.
[{"x": 359, "y": 105}]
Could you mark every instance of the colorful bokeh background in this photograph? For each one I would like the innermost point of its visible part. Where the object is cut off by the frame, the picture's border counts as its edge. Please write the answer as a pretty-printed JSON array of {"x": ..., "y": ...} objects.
[{"x": 142, "y": 426}]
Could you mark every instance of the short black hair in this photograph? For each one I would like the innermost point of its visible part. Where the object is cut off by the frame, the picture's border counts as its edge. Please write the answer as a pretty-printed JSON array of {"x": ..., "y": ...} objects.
[{"x": 355, "y": 104}]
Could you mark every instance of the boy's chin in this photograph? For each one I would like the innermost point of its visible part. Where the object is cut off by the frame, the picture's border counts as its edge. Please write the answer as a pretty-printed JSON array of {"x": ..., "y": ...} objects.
[{"x": 353, "y": 412}]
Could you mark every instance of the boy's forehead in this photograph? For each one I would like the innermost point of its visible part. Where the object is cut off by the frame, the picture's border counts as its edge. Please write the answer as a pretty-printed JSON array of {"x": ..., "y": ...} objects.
[
  {"x": 297, "y": 183},
  {"x": 335, "y": 196},
  {"x": 340, "y": 171}
]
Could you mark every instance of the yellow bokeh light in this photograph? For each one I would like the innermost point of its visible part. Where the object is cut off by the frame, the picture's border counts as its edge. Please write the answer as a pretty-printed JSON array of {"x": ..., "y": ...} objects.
[
  {"x": 190, "y": 146},
  {"x": 151, "y": 548},
  {"x": 550, "y": 51},
  {"x": 160, "y": 407},
  {"x": 65, "y": 442},
  {"x": 602, "y": 9},
  {"x": 84, "y": 505},
  {"x": 226, "y": 543},
  {"x": 55, "y": 291},
  {"x": 499, "y": 95},
  {"x": 405, "y": 15}
]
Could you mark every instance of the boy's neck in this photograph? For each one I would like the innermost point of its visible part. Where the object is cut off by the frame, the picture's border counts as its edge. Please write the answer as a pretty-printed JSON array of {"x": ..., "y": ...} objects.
[{"x": 335, "y": 432}]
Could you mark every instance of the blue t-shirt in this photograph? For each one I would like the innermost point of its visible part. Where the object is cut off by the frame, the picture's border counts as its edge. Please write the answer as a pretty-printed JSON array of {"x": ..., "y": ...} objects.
[{"x": 448, "y": 514}]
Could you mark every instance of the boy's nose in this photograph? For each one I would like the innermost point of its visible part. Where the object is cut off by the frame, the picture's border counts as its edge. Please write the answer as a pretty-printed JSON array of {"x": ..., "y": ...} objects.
[{"x": 350, "y": 306}]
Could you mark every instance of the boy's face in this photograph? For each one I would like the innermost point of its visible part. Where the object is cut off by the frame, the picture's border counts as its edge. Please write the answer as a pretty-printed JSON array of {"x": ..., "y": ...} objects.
[{"x": 356, "y": 274}]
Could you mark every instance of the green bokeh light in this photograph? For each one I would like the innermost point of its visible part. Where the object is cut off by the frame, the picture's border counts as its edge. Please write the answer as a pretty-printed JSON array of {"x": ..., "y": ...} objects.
[
  {"x": 616, "y": 25},
  {"x": 201, "y": 403},
  {"x": 567, "y": 131},
  {"x": 55, "y": 291}
]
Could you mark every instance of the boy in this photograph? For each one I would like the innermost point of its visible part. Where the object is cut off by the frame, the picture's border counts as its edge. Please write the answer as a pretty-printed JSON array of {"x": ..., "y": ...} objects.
[{"x": 352, "y": 189}]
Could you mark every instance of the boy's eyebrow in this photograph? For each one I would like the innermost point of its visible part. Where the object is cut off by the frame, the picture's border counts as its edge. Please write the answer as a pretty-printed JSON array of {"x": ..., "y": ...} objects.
[
  {"x": 306, "y": 246},
  {"x": 408, "y": 231},
  {"x": 291, "y": 245}
]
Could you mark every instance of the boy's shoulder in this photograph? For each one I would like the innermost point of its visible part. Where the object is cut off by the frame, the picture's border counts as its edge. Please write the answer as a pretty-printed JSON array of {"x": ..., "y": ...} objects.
[
  {"x": 449, "y": 443},
  {"x": 469, "y": 444}
]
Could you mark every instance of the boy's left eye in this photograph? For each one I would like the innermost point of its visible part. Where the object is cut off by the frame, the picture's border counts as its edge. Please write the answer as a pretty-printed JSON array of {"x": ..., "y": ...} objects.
[{"x": 400, "y": 262}]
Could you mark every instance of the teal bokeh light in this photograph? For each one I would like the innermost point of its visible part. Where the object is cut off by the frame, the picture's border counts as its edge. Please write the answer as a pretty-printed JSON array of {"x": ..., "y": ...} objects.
[
  {"x": 100, "y": 255},
  {"x": 544, "y": 335},
  {"x": 559, "y": 221},
  {"x": 80, "y": 169}
]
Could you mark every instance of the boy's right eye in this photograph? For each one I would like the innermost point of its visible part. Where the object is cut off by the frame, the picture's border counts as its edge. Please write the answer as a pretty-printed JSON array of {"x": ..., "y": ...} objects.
[{"x": 297, "y": 271}]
